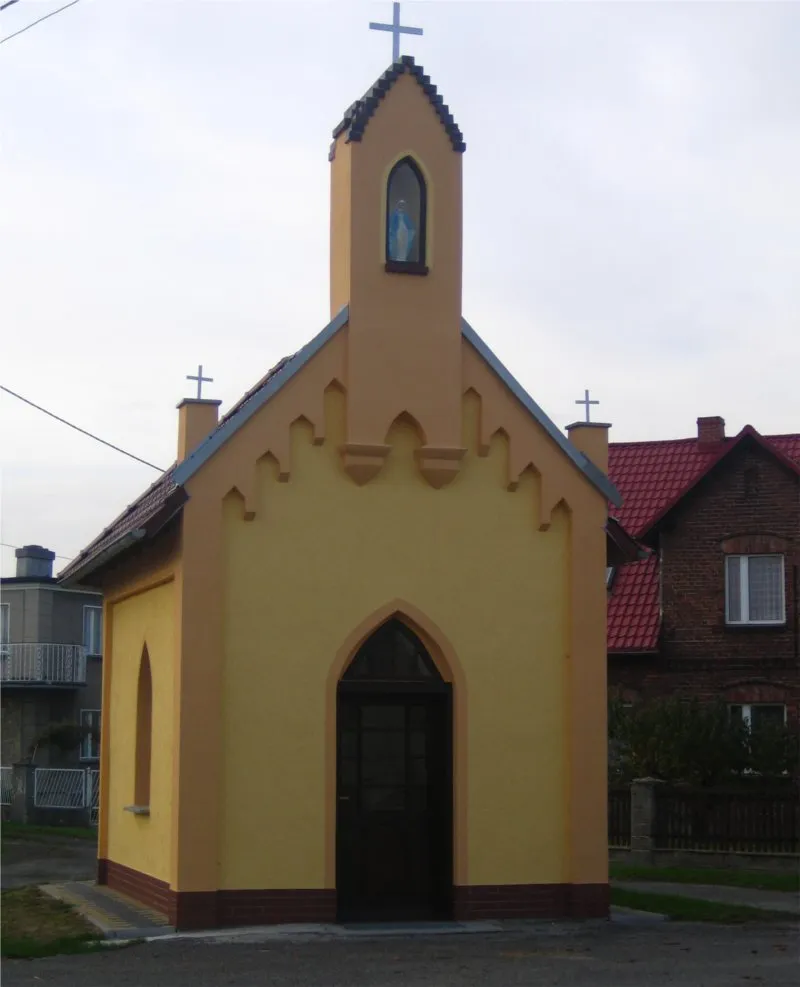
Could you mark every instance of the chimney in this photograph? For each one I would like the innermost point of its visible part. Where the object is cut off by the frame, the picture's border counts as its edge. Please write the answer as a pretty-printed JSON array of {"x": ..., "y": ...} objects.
[
  {"x": 196, "y": 418},
  {"x": 710, "y": 431},
  {"x": 591, "y": 438},
  {"x": 34, "y": 562}
]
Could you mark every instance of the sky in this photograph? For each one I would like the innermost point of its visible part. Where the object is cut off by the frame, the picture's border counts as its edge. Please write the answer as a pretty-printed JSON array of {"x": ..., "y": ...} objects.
[{"x": 631, "y": 215}]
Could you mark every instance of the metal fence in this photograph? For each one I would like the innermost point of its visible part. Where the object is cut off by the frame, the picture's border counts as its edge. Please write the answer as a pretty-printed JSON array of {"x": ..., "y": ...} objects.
[
  {"x": 727, "y": 821},
  {"x": 59, "y": 788},
  {"x": 619, "y": 817},
  {"x": 6, "y": 785}
]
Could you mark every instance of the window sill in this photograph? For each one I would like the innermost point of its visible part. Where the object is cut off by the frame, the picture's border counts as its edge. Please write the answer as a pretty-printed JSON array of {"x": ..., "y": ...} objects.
[
  {"x": 756, "y": 625},
  {"x": 405, "y": 267},
  {"x": 138, "y": 810}
]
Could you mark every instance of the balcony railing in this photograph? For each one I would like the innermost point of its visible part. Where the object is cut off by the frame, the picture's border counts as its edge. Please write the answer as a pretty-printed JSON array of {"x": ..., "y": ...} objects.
[{"x": 43, "y": 664}]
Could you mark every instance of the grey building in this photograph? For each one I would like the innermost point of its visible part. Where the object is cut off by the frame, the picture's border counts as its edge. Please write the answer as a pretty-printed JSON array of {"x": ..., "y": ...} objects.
[{"x": 50, "y": 664}]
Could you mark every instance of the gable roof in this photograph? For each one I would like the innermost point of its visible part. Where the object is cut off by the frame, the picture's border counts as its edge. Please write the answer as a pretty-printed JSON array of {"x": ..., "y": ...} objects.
[
  {"x": 148, "y": 513},
  {"x": 653, "y": 478},
  {"x": 358, "y": 115}
]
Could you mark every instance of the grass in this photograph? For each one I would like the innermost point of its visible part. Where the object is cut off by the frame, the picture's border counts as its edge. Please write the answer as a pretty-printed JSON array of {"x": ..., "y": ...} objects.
[
  {"x": 33, "y": 924},
  {"x": 24, "y": 831},
  {"x": 694, "y": 909},
  {"x": 761, "y": 880}
]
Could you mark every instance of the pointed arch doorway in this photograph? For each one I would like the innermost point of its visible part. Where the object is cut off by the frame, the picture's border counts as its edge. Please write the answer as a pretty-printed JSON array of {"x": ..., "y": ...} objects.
[{"x": 394, "y": 789}]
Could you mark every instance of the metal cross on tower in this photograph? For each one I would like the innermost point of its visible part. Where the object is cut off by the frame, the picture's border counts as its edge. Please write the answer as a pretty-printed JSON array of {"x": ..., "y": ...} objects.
[
  {"x": 396, "y": 30},
  {"x": 200, "y": 381},
  {"x": 586, "y": 402}
]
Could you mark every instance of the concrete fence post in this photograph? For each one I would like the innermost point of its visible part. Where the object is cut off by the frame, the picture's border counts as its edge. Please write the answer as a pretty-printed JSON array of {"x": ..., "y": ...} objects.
[
  {"x": 643, "y": 819},
  {"x": 22, "y": 793}
]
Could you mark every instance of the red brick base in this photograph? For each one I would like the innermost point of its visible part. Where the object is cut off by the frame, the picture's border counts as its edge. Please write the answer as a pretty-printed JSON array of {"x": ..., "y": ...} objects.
[
  {"x": 214, "y": 909},
  {"x": 141, "y": 887},
  {"x": 488, "y": 901}
]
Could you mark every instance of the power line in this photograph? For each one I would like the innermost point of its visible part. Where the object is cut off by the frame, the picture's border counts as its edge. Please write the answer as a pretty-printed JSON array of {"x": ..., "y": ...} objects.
[
  {"x": 8, "y": 3},
  {"x": 5, "y": 544},
  {"x": 81, "y": 430},
  {"x": 27, "y": 27}
]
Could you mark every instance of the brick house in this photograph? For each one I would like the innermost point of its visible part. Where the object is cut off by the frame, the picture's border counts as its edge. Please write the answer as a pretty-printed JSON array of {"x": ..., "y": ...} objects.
[{"x": 712, "y": 611}]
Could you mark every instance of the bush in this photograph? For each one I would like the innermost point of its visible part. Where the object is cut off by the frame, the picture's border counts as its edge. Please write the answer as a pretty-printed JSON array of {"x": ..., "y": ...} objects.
[
  {"x": 64, "y": 737},
  {"x": 698, "y": 743}
]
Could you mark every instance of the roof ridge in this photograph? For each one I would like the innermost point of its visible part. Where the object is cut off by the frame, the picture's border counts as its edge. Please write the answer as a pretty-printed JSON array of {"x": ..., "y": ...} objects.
[
  {"x": 728, "y": 438},
  {"x": 651, "y": 442}
]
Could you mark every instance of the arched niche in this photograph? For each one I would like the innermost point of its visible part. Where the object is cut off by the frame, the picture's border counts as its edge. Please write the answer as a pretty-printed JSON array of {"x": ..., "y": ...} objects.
[{"x": 406, "y": 219}]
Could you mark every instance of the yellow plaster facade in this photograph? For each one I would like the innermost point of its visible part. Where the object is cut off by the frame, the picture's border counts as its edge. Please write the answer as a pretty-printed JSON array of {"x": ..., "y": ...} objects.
[
  {"x": 396, "y": 472},
  {"x": 145, "y": 620},
  {"x": 321, "y": 555}
]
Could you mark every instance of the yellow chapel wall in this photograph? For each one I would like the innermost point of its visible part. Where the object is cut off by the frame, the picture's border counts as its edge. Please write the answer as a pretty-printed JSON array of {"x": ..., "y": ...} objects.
[
  {"x": 320, "y": 556},
  {"x": 146, "y": 617}
]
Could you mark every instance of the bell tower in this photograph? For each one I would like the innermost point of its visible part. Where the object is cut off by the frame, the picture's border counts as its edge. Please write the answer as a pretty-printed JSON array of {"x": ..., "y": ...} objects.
[{"x": 396, "y": 227}]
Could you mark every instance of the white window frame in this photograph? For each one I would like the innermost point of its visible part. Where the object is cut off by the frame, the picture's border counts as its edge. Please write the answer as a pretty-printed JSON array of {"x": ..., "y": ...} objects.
[
  {"x": 5, "y": 626},
  {"x": 99, "y": 649},
  {"x": 747, "y": 711},
  {"x": 88, "y": 742},
  {"x": 744, "y": 590}
]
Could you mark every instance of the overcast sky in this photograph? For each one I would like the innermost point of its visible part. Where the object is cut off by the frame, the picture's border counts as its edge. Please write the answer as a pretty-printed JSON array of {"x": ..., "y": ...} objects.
[{"x": 632, "y": 215}]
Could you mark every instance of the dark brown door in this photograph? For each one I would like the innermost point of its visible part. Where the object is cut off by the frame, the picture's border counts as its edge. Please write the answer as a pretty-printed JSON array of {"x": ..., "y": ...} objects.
[{"x": 394, "y": 798}]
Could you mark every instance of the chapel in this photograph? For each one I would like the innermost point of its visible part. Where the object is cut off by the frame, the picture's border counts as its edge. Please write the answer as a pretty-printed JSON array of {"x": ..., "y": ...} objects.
[{"x": 355, "y": 637}]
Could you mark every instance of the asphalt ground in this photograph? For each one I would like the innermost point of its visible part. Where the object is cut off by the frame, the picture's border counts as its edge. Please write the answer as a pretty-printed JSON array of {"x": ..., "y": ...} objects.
[{"x": 591, "y": 954}]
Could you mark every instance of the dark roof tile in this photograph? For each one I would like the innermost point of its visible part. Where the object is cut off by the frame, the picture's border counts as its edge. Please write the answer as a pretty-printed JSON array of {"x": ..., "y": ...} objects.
[
  {"x": 155, "y": 499},
  {"x": 358, "y": 115}
]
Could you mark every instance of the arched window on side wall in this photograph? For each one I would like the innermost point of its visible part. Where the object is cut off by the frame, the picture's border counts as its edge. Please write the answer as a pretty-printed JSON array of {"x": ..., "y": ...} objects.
[
  {"x": 406, "y": 219},
  {"x": 144, "y": 732}
]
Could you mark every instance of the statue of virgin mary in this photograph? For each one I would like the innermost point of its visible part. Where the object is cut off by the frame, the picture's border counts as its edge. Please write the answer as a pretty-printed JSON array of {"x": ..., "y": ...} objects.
[{"x": 401, "y": 233}]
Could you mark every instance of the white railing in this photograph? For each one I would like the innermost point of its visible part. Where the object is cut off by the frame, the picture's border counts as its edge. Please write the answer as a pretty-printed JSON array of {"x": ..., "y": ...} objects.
[
  {"x": 43, "y": 664},
  {"x": 59, "y": 788},
  {"x": 6, "y": 785},
  {"x": 66, "y": 788},
  {"x": 93, "y": 794}
]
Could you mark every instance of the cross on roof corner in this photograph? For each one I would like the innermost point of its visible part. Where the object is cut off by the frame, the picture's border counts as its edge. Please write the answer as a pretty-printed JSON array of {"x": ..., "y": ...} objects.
[
  {"x": 200, "y": 381},
  {"x": 586, "y": 403}
]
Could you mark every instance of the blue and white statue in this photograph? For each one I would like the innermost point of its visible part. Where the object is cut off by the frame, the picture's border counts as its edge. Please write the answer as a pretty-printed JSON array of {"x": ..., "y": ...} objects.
[{"x": 401, "y": 233}]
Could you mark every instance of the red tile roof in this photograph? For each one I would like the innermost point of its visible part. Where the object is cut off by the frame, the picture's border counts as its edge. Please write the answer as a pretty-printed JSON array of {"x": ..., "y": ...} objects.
[
  {"x": 633, "y": 607},
  {"x": 652, "y": 476}
]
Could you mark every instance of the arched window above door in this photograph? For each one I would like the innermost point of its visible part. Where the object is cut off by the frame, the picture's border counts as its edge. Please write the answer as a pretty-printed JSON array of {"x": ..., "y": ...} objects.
[
  {"x": 406, "y": 219},
  {"x": 393, "y": 653}
]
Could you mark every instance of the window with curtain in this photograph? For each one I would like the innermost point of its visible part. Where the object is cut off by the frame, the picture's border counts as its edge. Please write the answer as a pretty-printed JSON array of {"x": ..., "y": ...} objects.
[
  {"x": 93, "y": 630},
  {"x": 5, "y": 626},
  {"x": 90, "y": 744},
  {"x": 756, "y": 715},
  {"x": 754, "y": 589}
]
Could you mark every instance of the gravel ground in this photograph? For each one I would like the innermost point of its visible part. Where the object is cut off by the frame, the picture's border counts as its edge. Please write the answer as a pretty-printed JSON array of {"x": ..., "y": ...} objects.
[{"x": 587, "y": 955}]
